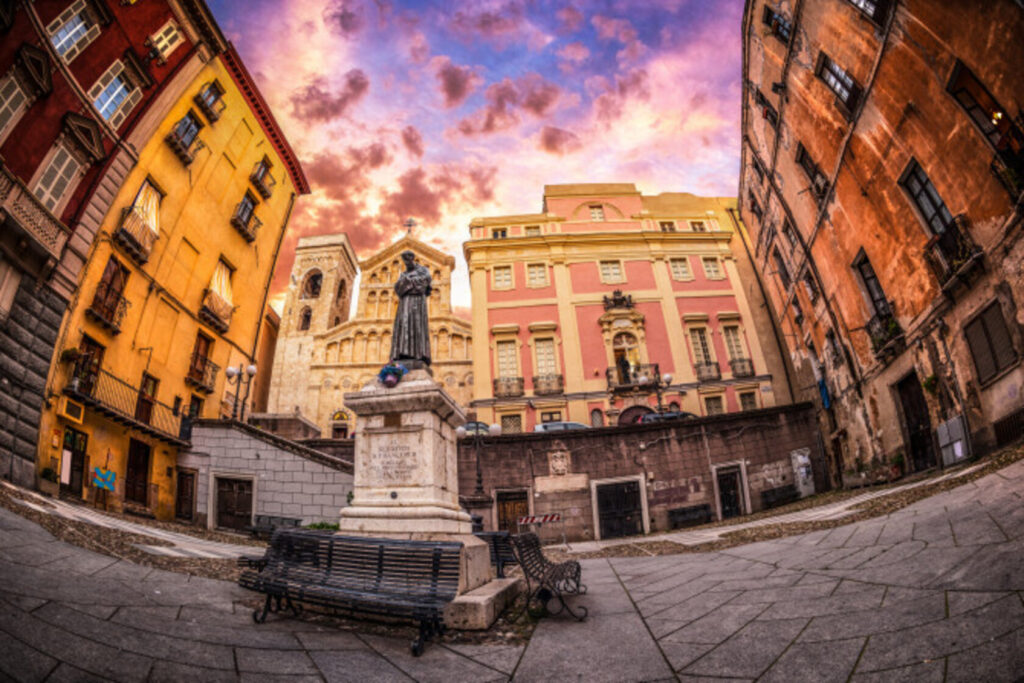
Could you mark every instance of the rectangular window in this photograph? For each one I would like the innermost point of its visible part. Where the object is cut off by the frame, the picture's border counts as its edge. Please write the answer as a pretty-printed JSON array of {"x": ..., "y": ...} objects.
[
  {"x": 220, "y": 284},
  {"x": 755, "y": 208},
  {"x": 502, "y": 277},
  {"x": 146, "y": 398},
  {"x": 925, "y": 197},
  {"x": 546, "y": 357},
  {"x": 10, "y": 278},
  {"x": 879, "y": 301},
  {"x": 210, "y": 100},
  {"x": 246, "y": 207},
  {"x": 767, "y": 110},
  {"x": 597, "y": 212},
  {"x": 988, "y": 115},
  {"x": 768, "y": 235},
  {"x": 531, "y": 230},
  {"x": 73, "y": 30},
  {"x": 667, "y": 226},
  {"x": 714, "y": 405},
  {"x": 680, "y": 269},
  {"x": 990, "y": 343},
  {"x": 787, "y": 230},
  {"x": 780, "y": 26},
  {"x": 195, "y": 407},
  {"x": 780, "y": 267},
  {"x": 759, "y": 171},
  {"x": 840, "y": 82},
  {"x": 798, "y": 311},
  {"x": 114, "y": 94},
  {"x": 810, "y": 286},
  {"x": 611, "y": 271},
  {"x": 187, "y": 129},
  {"x": 748, "y": 400},
  {"x": 107, "y": 298},
  {"x": 13, "y": 103},
  {"x": 537, "y": 274},
  {"x": 701, "y": 350},
  {"x": 511, "y": 424},
  {"x": 698, "y": 226},
  {"x": 873, "y": 9},
  {"x": 59, "y": 176},
  {"x": 499, "y": 233},
  {"x": 166, "y": 39},
  {"x": 733, "y": 343},
  {"x": 552, "y": 416},
  {"x": 712, "y": 268},
  {"x": 819, "y": 182},
  {"x": 508, "y": 363}
]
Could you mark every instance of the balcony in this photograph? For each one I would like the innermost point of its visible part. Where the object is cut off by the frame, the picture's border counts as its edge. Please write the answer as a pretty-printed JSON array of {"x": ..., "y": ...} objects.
[
  {"x": 135, "y": 236},
  {"x": 953, "y": 255},
  {"x": 124, "y": 403},
  {"x": 708, "y": 372},
  {"x": 184, "y": 149},
  {"x": 885, "y": 333},
  {"x": 215, "y": 311},
  {"x": 548, "y": 385},
  {"x": 202, "y": 373},
  {"x": 508, "y": 387},
  {"x": 1010, "y": 173},
  {"x": 211, "y": 104},
  {"x": 245, "y": 222},
  {"x": 641, "y": 377},
  {"x": 741, "y": 367},
  {"x": 21, "y": 206},
  {"x": 108, "y": 307},
  {"x": 262, "y": 180}
]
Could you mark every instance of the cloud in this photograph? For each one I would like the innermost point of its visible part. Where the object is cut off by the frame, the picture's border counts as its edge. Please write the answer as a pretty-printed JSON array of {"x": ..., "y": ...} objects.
[
  {"x": 412, "y": 140},
  {"x": 315, "y": 102},
  {"x": 620, "y": 30},
  {"x": 457, "y": 82},
  {"x": 419, "y": 47},
  {"x": 558, "y": 140},
  {"x": 424, "y": 195},
  {"x": 489, "y": 23},
  {"x": 569, "y": 18},
  {"x": 572, "y": 56},
  {"x": 530, "y": 93},
  {"x": 633, "y": 85},
  {"x": 344, "y": 17}
]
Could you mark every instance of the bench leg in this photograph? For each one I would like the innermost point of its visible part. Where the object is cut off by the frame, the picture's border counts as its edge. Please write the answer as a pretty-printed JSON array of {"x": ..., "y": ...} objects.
[
  {"x": 427, "y": 628},
  {"x": 296, "y": 609},
  {"x": 260, "y": 615}
]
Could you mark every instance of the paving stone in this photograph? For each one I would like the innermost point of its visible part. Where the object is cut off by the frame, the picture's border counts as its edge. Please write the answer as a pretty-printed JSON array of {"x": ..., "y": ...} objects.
[
  {"x": 66, "y": 673},
  {"x": 902, "y": 615},
  {"x": 504, "y": 658},
  {"x": 961, "y": 602},
  {"x": 751, "y": 651},
  {"x": 288, "y": 662},
  {"x": 435, "y": 665},
  {"x": 176, "y": 672},
  {"x": 681, "y": 655},
  {"x": 927, "y": 672},
  {"x": 689, "y": 610},
  {"x": 869, "y": 597},
  {"x": 828, "y": 661},
  {"x": 991, "y": 662},
  {"x": 717, "y": 625},
  {"x": 22, "y": 662},
  {"x": 330, "y": 640},
  {"x": 358, "y": 666}
]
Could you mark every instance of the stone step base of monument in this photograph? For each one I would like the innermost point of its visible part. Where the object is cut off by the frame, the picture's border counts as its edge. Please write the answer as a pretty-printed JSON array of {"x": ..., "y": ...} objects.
[
  {"x": 368, "y": 520},
  {"x": 477, "y": 609}
]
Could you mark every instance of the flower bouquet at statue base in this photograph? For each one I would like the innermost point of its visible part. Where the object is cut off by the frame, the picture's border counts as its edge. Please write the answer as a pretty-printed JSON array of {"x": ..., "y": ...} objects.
[{"x": 391, "y": 374}]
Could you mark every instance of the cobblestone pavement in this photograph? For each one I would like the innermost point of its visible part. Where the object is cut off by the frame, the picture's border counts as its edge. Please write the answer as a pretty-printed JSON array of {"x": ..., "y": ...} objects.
[{"x": 934, "y": 591}]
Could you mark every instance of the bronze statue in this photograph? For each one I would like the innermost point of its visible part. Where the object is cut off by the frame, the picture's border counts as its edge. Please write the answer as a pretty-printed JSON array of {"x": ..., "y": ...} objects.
[{"x": 410, "y": 338}]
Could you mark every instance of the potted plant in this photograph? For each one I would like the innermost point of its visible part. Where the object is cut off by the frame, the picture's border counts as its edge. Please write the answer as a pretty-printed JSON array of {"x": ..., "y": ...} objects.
[
  {"x": 391, "y": 374},
  {"x": 71, "y": 355},
  {"x": 896, "y": 465},
  {"x": 48, "y": 482}
]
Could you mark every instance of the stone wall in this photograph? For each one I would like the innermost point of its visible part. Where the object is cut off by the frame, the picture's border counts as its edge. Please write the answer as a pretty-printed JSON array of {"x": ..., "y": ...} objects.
[
  {"x": 673, "y": 461},
  {"x": 289, "y": 480}
]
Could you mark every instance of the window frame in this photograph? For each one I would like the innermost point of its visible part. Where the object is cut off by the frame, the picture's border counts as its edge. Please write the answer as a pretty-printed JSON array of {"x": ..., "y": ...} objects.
[
  {"x": 859, "y": 264},
  {"x": 718, "y": 397},
  {"x": 517, "y": 416},
  {"x": 164, "y": 46},
  {"x": 838, "y": 80},
  {"x": 685, "y": 260},
  {"x": 532, "y": 231},
  {"x": 618, "y": 264},
  {"x": 699, "y": 226},
  {"x": 507, "y": 342},
  {"x": 597, "y": 213},
  {"x": 91, "y": 31},
  {"x": 10, "y": 281},
  {"x": 878, "y": 14},
  {"x": 59, "y": 201},
  {"x": 499, "y": 233},
  {"x": 704, "y": 330},
  {"x": 741, "y": 394},
  {"x": 554, "y": 355},
  {"x": 16, "y": 111},
  {"x": 914, "y": 172},
  {"x": 768, "y": 110},
  {"x": 980, "y": 319},
  {"x": 118, "y": 70},
  {"x": 996, "y": 138},
  {"x": 781, "y": 27},
  {"x": 667, "y": 226},
  {"x": 719, "y": 266},
  {"x": 529, "y": 278},
  {"x": 819, "y": 181},
  {"x": 511, "y": 277},
  {"x": 741, "y": 347}
]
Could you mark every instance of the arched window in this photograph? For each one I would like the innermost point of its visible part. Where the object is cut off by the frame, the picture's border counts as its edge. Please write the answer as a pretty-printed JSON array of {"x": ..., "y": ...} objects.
[
  {"x": 311, "y": 285},
  {"x": 597, "y": 418},
  {"x": 305, "y": 318},
  {"x": 674, "y": 406},
  {"x": 339, "y": 425},
  {"x": 627, "y": 356}
]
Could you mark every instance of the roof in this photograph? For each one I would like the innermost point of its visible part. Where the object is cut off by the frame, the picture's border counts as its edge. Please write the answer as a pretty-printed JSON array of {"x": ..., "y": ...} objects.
[
  {"x": 684, "y": 203},
  {"x": 247, "y": 86},
  {"x": 589, "y": 189},
  {"x": 411, "y": 243}
]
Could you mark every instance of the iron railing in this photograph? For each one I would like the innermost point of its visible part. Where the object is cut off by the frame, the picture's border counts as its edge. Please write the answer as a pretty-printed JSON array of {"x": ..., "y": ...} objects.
[
  {"x": 215, "y": 312},
  {"x": 1010, "y": 173},
  {"x": 953, "y": 252},
  {"x": 202, "y": 373},
  {"x": 108, "y": 307},
  {"x": 741, "y": 367},
  {"x": 123, "y": 403},
  {"x": 184, "y": 149},
  {"x": 29, "y": 214},
  {"x": 546, "y": 385},
  {"x": 211, "y": 106},
  {"x": 707, "y": 372},
  {"x": 134, "y": 235},
  {"x": 641, "y": 377},
  {"x": 246, "y": 222},
  {"x": 883, "y": 328},
  {"x": 262, "y": 180},
  {"x": 507, "y": 387}
]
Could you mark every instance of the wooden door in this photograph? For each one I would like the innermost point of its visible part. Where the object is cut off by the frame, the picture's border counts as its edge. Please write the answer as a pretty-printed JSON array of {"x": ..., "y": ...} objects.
[
  {"x": 136, "y": 479},
  {"x": 76, "y": 441},
  {"x": 916, "y": 422},
  {"x": 619, "y": 509},
  {"x": 234, "y": 503},
  {"x": 730, "y": 493},
  {"x": 184, "y": 503},
  {"x": 511, "y": 506}
]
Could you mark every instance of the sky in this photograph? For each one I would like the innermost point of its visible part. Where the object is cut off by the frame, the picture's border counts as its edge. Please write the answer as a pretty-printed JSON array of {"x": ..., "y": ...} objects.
[{"x": 441, "y": 112}]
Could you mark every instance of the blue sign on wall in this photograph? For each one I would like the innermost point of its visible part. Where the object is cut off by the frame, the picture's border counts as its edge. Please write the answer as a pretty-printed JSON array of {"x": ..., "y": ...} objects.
[{"x": 103, "y": 479}]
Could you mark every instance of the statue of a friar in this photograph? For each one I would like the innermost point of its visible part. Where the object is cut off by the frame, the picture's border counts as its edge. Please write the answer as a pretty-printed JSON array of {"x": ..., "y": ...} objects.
[{"x": 410, "y": 338}]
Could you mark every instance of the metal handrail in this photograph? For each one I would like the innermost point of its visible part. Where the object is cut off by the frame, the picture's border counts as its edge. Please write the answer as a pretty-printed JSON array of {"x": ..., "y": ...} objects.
[
  {"x": 948, "y": 252},
  {"x": 742, "y": 367},
  {"x": 247, "y": 225},
  {"x": 202, "y": 372},
  {"x": 109, "y": 305},
  {"x": 642, "y": 376},
  {"x": 505, "y": 387},
  {"x": 545, "y": 385},
  {"x": 707, "y": 372}
]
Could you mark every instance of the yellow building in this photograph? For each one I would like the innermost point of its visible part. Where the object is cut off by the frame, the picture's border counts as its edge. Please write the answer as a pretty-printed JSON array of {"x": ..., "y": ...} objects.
[
  {"x": 610, "y": 304},
  {"x": 173, "y": 293}
]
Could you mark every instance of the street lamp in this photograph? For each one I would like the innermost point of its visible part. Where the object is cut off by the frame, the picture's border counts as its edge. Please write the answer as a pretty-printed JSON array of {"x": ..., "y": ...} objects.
[
  {"x": 660, "y": 384},
  {"x": 239, "y": 376},
  {"x": 478, "y": 437}
]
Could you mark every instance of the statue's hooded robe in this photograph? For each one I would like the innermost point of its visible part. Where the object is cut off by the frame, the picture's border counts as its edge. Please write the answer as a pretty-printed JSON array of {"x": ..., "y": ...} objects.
[{"x": 410, "y": 338}]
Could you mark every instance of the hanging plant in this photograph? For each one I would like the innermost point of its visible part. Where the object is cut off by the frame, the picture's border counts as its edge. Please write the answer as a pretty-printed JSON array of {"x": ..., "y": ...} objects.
[
  {"x": 931, "y": 384},
  {"x": 391, "y": 374}
]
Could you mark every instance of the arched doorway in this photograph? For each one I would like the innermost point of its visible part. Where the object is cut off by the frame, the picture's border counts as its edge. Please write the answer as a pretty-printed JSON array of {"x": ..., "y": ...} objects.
[
  {"x": 633, "y": 414},
  {"x": 340, "y": 427},
  {"x": 626, "y": 351}
]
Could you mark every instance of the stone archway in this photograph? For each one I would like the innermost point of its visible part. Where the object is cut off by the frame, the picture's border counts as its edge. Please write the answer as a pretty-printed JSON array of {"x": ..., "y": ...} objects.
[{"x": 633, "y": 414}]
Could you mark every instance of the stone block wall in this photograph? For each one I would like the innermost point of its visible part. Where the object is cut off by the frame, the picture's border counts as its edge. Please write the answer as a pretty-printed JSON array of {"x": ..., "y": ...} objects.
[{"x": 289, "y": 480}]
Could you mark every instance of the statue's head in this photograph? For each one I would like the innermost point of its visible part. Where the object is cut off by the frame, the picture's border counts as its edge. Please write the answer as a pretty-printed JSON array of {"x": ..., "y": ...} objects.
[{"x": 409, "y": 257}]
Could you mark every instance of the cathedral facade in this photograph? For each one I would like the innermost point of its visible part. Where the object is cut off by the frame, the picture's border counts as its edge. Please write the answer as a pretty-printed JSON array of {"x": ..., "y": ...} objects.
[{"x": 322, "y": 354}]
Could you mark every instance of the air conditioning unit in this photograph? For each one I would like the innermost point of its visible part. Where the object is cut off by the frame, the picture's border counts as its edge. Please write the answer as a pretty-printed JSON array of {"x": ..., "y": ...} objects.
[{"x": 71, "y": 410}]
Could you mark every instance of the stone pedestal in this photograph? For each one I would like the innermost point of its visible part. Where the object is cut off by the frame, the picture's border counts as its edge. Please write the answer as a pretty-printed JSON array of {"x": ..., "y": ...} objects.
[{"x": 406, "y": 470}]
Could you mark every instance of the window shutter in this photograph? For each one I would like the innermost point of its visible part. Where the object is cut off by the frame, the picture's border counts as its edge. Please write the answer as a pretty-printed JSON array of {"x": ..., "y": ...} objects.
[
  {"x": 999, "y": 336},
  {"x": 977, "y": 340}
]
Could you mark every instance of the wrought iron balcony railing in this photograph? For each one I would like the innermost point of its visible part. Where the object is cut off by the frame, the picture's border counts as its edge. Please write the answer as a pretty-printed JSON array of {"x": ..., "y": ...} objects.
[
  {"x": 884, "y": 330},
  {"x": 202, "y": 373},
  {"x": 29, "y": 214},
  {"x": 741, "y": 367},
  {"x": 245, "y": 222},
  {"x": 215, "y": 311},
  {"x": 108, "y": 307},
  {"x": 184, "y": 148},
  {"x": 508, "y": 387},
  {"x": 135, "y": 235},
  {"x": 211, "y": 106},
  {"x": 707, "y": 372},
  {"x": 546, "y": 385},
  {"x": 1010, "y": 172},
  {"x": 262, "y": 180},
  {"x": 640, "y": 377},
  {"x": 123, "y": 403},
  {"x": 953, "y": 254}
]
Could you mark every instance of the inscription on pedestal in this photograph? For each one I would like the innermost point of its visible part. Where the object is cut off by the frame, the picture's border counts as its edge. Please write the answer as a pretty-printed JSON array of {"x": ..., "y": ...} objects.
[{"x": 393, "y": 462}]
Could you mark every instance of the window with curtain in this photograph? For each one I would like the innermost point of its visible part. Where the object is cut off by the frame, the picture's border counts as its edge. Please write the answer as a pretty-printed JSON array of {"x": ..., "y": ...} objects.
[
  {"x": 143, "y": 219},
  {"x": 220, "y": 298}
]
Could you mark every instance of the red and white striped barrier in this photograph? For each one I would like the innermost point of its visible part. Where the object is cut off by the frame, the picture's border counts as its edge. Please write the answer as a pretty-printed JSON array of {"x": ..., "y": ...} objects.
[{"x": 540, "y": 519}]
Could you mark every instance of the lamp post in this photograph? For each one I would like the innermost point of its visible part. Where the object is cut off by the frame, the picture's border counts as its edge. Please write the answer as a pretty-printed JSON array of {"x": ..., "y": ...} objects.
[
  {"x": 478, "y": 437},
  {"x": 660, "y": 384},
  {"x": 239, "y": 376}
]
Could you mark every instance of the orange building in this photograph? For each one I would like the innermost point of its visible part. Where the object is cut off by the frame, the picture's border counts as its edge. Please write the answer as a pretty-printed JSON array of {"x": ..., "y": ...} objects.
[{"x": 609, "y": 304}]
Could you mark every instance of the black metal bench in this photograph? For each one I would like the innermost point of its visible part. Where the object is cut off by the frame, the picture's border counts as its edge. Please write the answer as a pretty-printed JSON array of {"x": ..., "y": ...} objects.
[
  {"x": 689, "y": 516},
  {"x": 501, "y": 549},
  {"x": 546, "y": 579},
  {"x": 265, "y": 524},
  {"x": 371, "y": 576}
]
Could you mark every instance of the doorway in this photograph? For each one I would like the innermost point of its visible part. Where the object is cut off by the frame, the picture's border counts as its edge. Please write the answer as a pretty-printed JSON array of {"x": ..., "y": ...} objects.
[
  {"x": 620, "y": 509},
  {"x": 234, "y": 503},
  {"x": 74, "y": 449},
  {"x": 916, "y": 422},
  {"x": 185, "y": 497},
  {"x": 730, "y": 491},
  {"x": 136, "y": 478},
  {"x": 511, "y": 506}
]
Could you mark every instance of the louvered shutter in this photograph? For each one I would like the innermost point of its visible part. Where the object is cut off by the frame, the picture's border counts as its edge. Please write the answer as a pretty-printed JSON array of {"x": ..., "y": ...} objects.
[
  {"x": 977, "y": 340},
  {"x": 999, "y": 337}
]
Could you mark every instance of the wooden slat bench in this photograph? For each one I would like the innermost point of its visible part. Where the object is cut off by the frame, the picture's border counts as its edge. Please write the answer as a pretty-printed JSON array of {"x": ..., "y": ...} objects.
[
  {"x": 501, "y": 549},
  {"x": 546, "y": 579},
  {"x": 371, "y": 576}
]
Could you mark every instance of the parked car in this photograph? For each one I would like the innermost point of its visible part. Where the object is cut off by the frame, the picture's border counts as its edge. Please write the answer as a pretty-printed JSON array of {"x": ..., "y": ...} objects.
[
  {"x": 476, "y": 428},
  {"x": 558, "y": 426},
  {"x": 666, "y": 416}
]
